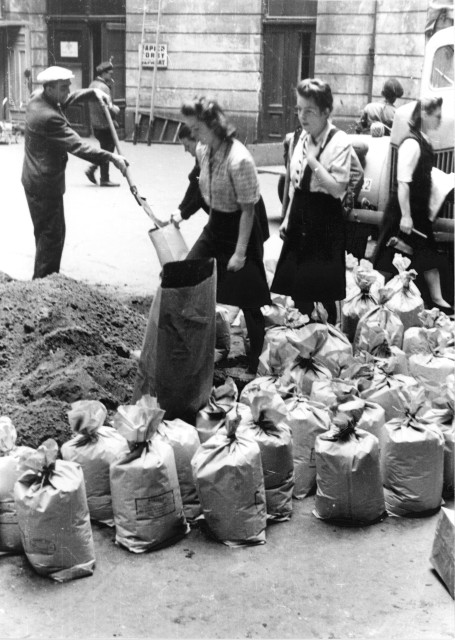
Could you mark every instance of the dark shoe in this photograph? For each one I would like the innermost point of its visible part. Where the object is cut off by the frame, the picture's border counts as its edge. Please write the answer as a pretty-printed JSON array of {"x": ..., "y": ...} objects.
[
  {"x": 449, "y": 311},
  {"x": 108, "y": 183},
  {"x": 90, "y": 173}
]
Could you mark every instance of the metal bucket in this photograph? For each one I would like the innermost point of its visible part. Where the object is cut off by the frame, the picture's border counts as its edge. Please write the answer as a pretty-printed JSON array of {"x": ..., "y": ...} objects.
[{"x": 169, "y": 243}]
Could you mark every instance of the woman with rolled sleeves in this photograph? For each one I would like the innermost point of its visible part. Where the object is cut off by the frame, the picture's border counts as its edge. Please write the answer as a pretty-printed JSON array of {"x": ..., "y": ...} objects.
[
  {"x": 237, "y": 225},
  {"x": 312, "y": 262}
]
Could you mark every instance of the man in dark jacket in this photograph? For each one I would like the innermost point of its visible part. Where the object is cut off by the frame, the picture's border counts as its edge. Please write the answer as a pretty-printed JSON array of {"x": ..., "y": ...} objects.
[
  {"x": 103, "y": 81},
  {"x": 48, "y": 140}
]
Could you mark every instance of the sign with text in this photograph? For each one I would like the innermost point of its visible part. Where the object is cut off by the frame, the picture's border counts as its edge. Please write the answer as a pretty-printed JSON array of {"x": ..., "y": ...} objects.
[{"x": 148, "y": 55}]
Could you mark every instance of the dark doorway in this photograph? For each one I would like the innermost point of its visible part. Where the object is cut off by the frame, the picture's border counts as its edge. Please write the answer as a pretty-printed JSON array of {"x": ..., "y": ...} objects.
[{"x": 288, "y": 57}]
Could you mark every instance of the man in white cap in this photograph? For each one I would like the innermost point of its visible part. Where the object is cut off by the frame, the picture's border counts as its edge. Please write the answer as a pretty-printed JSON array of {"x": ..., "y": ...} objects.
[
  {"x": 101, "y": 130},
  {"x": 48, "y": 140}
]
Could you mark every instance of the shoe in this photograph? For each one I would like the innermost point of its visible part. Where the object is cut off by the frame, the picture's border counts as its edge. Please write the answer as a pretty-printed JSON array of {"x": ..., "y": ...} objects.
[
  {"x": 90, "y": 173},
  {"x": 449, "y": 311},
  {"x": 108, "y": 183}
]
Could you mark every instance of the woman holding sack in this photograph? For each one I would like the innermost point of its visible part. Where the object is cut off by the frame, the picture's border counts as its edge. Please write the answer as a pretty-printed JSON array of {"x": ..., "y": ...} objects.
[
  {"x": 237, "y": 226},
  {"x": 406, "y": 226},
  {"x": 312, "y": 262}
]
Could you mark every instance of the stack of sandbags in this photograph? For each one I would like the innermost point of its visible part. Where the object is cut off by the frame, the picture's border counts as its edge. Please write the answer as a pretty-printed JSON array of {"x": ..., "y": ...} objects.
[
  {"x": 11, "y": 457},
  {"x": 412, "y": 459},
  {"x": 94, "y": 446},
  {"x": 405, "y": 300},
  {"x": 222, "y": 401},
  {"x": 228, "y": 474},
  {"x": 146, "y": 499},
  {"x": 53, "y": 516},
  {"x": 349, "y": 485},
  {"x": 265, "y": 422},
  {"x": 307, "y": 419}
]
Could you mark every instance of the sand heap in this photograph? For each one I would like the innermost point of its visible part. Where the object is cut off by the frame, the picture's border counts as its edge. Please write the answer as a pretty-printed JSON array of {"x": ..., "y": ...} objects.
[{"x": 61, "y": 341}]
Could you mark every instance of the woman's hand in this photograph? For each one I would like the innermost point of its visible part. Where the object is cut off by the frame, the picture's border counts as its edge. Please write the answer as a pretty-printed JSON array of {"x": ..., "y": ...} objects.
[
  {"x": 236, "y": 262},
  {"x": 283, "y": 229},
  {"x": 176, "y": 218},
  {"x": 406, "y": 224}
]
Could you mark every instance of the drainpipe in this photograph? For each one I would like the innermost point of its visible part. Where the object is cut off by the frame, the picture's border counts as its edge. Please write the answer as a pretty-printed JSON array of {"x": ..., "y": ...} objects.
[{"x": 371, "y": 53}]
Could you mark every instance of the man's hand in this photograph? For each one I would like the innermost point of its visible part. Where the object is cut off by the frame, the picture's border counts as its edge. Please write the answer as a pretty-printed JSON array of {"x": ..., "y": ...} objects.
[
  {"x": 406, "y": 224},
  {"x": 236, "y": 262},
  {"x": 115, "y": 109},
  {"x": 176, "y": 218},
  {"x": 102, "y": 97},
  {"x": 120, "y": 162}
]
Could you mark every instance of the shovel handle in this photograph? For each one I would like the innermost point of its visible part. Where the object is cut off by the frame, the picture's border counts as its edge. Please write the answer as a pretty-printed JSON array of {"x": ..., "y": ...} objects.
[{"x": 140, "y": 200}]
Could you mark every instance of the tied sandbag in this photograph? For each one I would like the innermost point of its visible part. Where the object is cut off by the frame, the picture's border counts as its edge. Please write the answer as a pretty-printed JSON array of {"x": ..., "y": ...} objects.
[
  {"x": 366, "y": 267},
  {"x": 278, "y": 351},
  {"x": 433, "y": 367},
  {"x": 210, "y": 418},
  {"x": 265, "y": 422},
  {"x": 349, "y": 486},
  {"x": 379, "y": 325},
  {"x": 443, "y": 551},
  {"x": 331, "y": 392},
  {"x": 361, "y": 300},
  {"x": 406, "y": 300},
  {"x": 146, "y": 500},
  {"x": 271, "y": 384},
  {"x": 227, "y": 470},
  {"x": 11, "y": 458},
  {"x": 94, "y": 447},
  {"x": 306, "y": 367},
  {"x": 370, "y": 418},
  {"x": 412, "y": 460},
  {"x": 351, "y": 265},
  {"x": 336, "y": 346},
  {"x": 184, "y": 440},
  {"x": 442, "y": 414},
  {"x": 307, "y": 419},
  {"x": 177, "y": 357},
  {"x": 417, "y": 339},
  {"x": 53, "y": 516}
]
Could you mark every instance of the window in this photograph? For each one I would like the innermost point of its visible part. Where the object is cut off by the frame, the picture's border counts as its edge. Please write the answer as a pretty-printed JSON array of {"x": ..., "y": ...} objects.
[{"x": 442, "y": 70}]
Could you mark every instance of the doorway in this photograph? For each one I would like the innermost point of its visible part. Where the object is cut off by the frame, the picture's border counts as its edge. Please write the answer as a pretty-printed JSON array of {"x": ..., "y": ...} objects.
[{"x": 288, "y": 58}]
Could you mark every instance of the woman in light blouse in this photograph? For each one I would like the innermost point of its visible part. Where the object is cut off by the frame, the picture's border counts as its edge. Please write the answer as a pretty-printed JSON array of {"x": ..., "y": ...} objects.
[
  {"x": 237, "y": 226},
  {"x": 312, "y": 262}
]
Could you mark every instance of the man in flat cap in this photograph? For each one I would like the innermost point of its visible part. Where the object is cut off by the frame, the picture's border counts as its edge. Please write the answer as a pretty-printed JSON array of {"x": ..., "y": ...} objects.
[
  {"x": 103, "y": 81},
  {"x": 48, "y": 140}
]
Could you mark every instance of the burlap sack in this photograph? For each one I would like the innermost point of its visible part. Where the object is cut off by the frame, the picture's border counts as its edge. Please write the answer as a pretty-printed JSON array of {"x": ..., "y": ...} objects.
[
  {"x": 222, "y": 401},
  {"x": 53, "y": 516},
  {"x": 307, "y": 419},
  {"x": 94, "y": 447},
  {"x": 412, "y": 460},
  {"x": 265, "y": 421},
  {"x": 184, "y": 440},
  {"x": 11, "y": 458},
  {"x": 443, "y": 551},
  {"x": 146, "y": 500},
  {"x": 227, "y": 470},
  {"x": 349, "y": 485},
  {"x": 406, "y": 300}
]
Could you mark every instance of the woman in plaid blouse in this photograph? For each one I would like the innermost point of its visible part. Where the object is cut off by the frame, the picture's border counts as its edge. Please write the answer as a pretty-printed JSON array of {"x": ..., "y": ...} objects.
[{"x": 237, "y": 225}]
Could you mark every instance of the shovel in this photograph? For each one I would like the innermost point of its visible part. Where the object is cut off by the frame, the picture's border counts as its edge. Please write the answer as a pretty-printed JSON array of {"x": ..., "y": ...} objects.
[{"x": 167, "y": 239}]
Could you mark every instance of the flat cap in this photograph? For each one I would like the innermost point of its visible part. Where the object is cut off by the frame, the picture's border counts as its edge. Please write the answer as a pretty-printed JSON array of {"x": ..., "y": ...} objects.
[
  {"x": 52, "y": 74},
  {"x": 104, "y": 66}
]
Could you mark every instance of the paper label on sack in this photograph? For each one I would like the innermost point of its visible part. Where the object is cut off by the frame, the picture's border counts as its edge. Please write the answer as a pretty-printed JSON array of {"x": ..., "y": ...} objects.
[{"x": 155, "y": 506}]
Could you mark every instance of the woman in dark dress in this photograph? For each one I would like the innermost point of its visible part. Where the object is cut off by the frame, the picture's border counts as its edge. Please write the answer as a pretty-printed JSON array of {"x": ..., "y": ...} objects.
[
  {"x": 312, "y": 262},
  {"x": 237, "y": 226},
  {"x": 407, "y": 213}
]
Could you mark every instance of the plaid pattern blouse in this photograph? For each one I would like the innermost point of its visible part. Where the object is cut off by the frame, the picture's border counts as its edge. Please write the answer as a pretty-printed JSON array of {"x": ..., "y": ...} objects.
[{"x": 228, "y": 179}]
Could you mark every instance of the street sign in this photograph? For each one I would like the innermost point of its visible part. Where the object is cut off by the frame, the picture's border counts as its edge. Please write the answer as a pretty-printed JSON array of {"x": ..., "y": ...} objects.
[{"x": 148, "y": 55}]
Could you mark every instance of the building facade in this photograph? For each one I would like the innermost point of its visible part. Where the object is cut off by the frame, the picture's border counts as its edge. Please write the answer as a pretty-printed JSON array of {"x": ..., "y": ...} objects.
[{"x": 248, "y": 55}]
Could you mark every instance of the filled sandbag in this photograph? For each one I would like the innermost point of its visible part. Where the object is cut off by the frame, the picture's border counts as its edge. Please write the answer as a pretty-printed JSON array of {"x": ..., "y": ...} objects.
[
  {"x": 370, "y": 418},
  {"x": 349, "y": 485},
  {"x": 278, "y": 349},
  {"x": 184, "y": 440},
  {"x": 360, "y": 300},
  {"x": 265, "y": 422},
  {"x": 53, "y": 516},
  {"x": 379, "y": 320},
  {"x": 177, "y": 357},
  {"x": 412, "y": 460},
  {"x": 331, "y": 392},
  {"x": 94, "y": 447},
  {"x": 210, "y": 418},
  {"x": 335, "y": 347},
  {"x": 443, "y": 550},
  {"x": 418, "y": 340},
  {"x": 433, "y": 367},
  {"x": 406, "y": 300},
  {"x": 263, "y": 383},
  {"x": 307, "y": 419},
  {"x": 227, "y": 471},
  {"x": 146, "y": 500},
  {"x": 11, "y": 457}
]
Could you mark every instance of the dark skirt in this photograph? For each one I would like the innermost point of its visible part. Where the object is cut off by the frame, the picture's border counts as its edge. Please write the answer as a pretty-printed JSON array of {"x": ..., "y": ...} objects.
[
  {"x": 424, "y": 256},
  {"x": 246, "y": 288},
  {"x": 312, "y": 264}
]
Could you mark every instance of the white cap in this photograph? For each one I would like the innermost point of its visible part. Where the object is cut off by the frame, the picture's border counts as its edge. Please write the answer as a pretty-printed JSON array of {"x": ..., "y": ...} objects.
[{"x": 52, "y": 74}]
